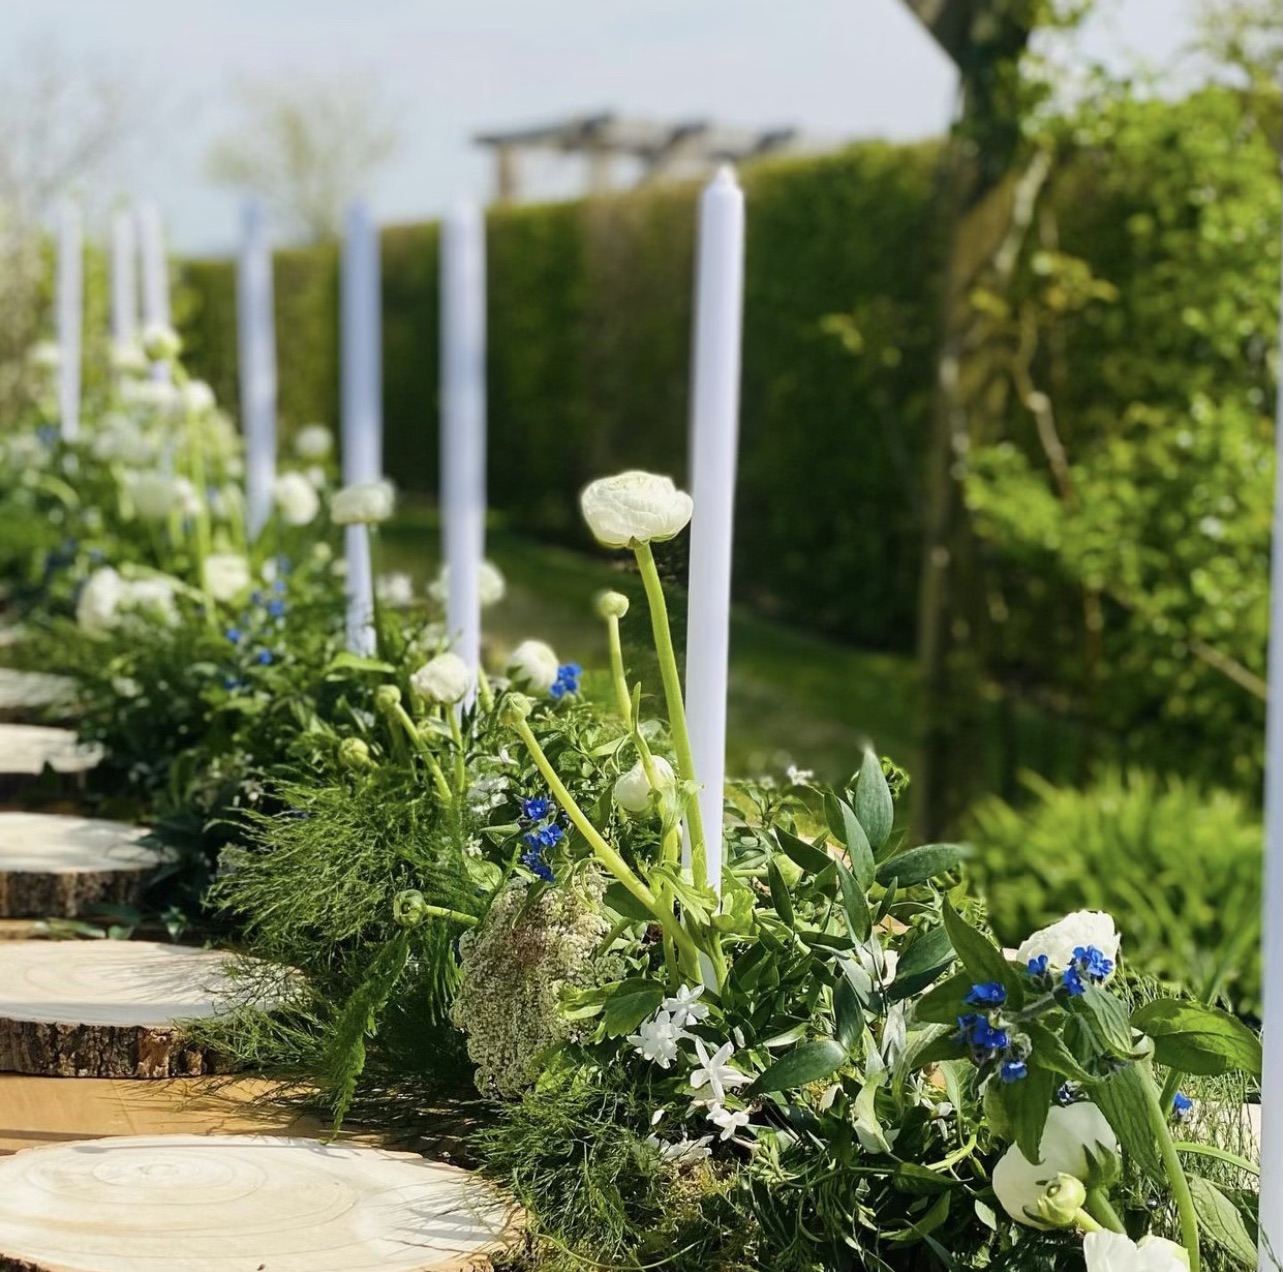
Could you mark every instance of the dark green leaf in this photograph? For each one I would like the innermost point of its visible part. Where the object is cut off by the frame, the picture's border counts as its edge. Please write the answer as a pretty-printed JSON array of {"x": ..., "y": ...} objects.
[
  {"x": 1050, "y": 1053},
  {"x": 780, "y": 897},
  {"x": 811, "y": 859},
  {"x": 873, "y": 804},
  {"x": 943, "y": 1004},
  {"x": 1107, "y": 1018},
  {"x": 626, "y": 905},
  {"x": 1197, "y": 1039},
  {"x": 855, "y": 904},
  {"x": 630, "y": 1004},
  {"x": 945, "y": 1046},
  {"x": 847, "y": 829},
  {"x": 1219, "y": 1218},
  {"x": 1022, "y": 1108},
  {"x": 847, "y": 1016},
  {"x": 810, "y": 1062},
  {"x": 980, "y": 956},
  {"x": 921, "y": 963},
  {"x": 356, "y": 662},
  {"x": 1122, "y": 1098},
  {"x": 920, "y": 864}
]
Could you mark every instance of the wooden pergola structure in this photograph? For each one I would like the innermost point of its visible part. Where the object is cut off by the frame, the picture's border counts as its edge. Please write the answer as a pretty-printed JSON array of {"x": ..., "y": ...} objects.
[{"x": 663, "y": 150}]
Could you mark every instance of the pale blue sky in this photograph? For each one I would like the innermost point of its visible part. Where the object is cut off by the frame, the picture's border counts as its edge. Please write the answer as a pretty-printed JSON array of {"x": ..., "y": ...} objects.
[{"x": 834, "y": 67}]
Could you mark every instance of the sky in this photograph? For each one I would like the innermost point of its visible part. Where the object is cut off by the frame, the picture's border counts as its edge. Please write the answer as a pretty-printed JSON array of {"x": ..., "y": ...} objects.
[{"x": 834, "y": 68}]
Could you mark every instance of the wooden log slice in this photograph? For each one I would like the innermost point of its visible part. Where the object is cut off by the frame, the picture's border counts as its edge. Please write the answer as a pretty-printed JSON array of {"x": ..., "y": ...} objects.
[
  {"x": 109, "y": 1009},
  {"x": 228, "y": 1203},
  {"x": 57, "y": 867},
  {"x": 25, "y": 750}
]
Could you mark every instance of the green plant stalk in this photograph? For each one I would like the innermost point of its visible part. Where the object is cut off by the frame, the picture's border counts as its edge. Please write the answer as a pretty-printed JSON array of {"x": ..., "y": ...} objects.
[
  {"x": 676, "y": 705},
  {"x": 1172, "y": 1164},
  {"x": 402, "y": 716},
  {"x": 607, "y": 855},
  {"x": 1085, "y": 1222},
  {"x": 625, "y": 700},
  {"x": 484, "y": 692},
  {"x": 460, "y": 752},
  {"x": 1100, "y": 1209},
  {"x": 455, "y": 916}
]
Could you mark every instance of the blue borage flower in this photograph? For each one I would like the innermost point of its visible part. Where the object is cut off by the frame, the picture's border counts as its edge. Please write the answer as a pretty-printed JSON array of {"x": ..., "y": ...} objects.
[
  {"x": 537, "y": 809},
  {"x": 1089, "y": 967},
  {"x": 1038, "y": 966},
  {"x": 567, "y": 681},
  {"x": 263, "y": 657},
  {"x": 276, "y": 608},
  {"x": 235, "y": 635},
  {"x": 544, "y": 837},
  {"x": 1182, "y": 1107},
  {"x": 535, "y": 863},
  {"x": 988, "y": 994},
  {"x": 1013, "y": 1070},
  {"x": 539, "y": 816},
  {"x": 988, "y": 1036}
]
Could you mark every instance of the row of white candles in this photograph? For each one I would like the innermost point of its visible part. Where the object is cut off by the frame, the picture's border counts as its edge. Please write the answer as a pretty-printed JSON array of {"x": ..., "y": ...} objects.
[{"x": 714, "y": 445}]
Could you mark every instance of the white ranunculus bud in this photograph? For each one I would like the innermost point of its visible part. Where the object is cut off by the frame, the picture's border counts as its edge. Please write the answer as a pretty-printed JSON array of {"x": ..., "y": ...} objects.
[
  {"x": 611, "y": 604},
  {"x": 296, "y": 499},
  {"x": 226, "y": 575},
  {"x": 161, "y": 343},
  {"x": 632, "y": 789},
  {"x": 395, "y": 590},
  {"x": 446, "y": 679},
  {"x": 633, "y": 508},
  {"x": 99, "y": 601},
  {"x": 363, "y": 504},
  {"x": 1114, "y": 1252},
  {"x": 197, "y": 397},
  {"x": 491, "y": 585},
  {"x": 313, "y": 442},
  {"x": 1071, "y": 1133},
  {"x": 1081, "y": 930},
  {"x": 152, "y": 493},
  {"x": 534, "y": 665}
]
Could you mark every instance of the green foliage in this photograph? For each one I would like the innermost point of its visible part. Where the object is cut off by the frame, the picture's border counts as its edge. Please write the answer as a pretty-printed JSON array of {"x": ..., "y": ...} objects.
[{"x": 1182, "y": 864}]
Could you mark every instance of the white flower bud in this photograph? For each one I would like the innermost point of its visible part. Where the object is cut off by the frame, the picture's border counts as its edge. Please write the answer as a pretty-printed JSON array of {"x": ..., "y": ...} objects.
[
  {"x": 445, "y": 679},
  {"x": 634, "y": 508},
  {"x": 611, "y": 605},
  {"x": 226, "y": 575},
  {"x": 363, "y": 504},
  {"x": 296, "y": 499},
  {"x": 534, "y": 665},
  {"x": 313, "y": 442},
  {"x": 491, "y": 585},
  {"x": 633, "y": 789},
  {"x": 161, "y": 343},
  {"x": 197, "y": 397}
]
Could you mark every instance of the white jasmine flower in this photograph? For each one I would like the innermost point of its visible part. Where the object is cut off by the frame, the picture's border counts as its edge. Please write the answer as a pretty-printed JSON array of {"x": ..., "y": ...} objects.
[
  {"x": 715, "y": 1073},
  {"x": 446, "y": 679},
  {"x": 1072, "y": 1131},
  {"x": 395, "y": 590},
  {"x": 363, "y": 504},
  {"x": 685, "y": 1008},
  {"x": 161, "y": 343},
  {"x": 533, "y": 665},
  {"x": 1084, "y": 929},
  {"x": 684, "y": 1151},
  {"x": 632, "y": 789},
  {"x": 226, "y": 575},
  {"x": 492, "y": 587},
  {"x": 197, "y": 397},
  {"x": 633, "y": 508},
  {"x": 99, "y": 601},
  {"x": 296, "y": 499},
  {"x": 729, "y": 1121},
  {"x": 313, "y": 442},
  {"x": 1113, "y": 1252},
  {"x": 656, "y": 1040}
]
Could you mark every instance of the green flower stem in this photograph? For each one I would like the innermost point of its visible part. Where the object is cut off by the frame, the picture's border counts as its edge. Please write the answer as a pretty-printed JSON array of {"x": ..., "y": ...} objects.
[
  {"x": 607, "y": 855},
  {"x": 1099, "y": 1207},
  {"x": 455, "y": 916},
  {"x": 1167, "y": 1097},
  {"x": 625, "y": 701},
  {"x": 484, "y": 692},
  {"x": 460, "y": 751},
  {"x": 402, "y": 717},
  {"x": 1172, "y": 1164},
  {"x": 1085, "y": 1223},
  {"x": 676, "y": 706}
]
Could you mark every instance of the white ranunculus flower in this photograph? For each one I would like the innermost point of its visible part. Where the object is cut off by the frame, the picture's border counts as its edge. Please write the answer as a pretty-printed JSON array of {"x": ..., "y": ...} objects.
[
  {"x": 161, "y": 343},
  {"x": 632, "y": 789},
  {"x": 533, "y": 665},
  {"x": 634, "y": 507},
  {"x": 395, "y": 590},
  {"x": 1071, "y": 1133},
  {"x": 197, "y": 397},
  {"x": 491, "y": 585},
  {"x": 153, "y": 595},
  {"x": 446, "y": 679},
  {"x": 296, "y": 499},
  {"x": 153, "y": 494},
  {"x": 1079, "y": 930},
  {"x": 1113, "y": 1252},
  {"x": 99, "y": 601},
  {"x": 313, "y": 442},
  {"x": 363, "y": 504},
  {"x": 226, "y": 575}
]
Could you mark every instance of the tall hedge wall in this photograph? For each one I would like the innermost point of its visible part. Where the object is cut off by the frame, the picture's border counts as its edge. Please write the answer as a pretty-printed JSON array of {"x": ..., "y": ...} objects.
[{"x": 589, "y": 340}]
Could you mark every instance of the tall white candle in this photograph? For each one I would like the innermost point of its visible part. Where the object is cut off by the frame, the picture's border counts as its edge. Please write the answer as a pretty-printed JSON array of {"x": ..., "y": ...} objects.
[
  {"x": 256, "y": 331},
  {"x": 70, "y": 288},
  {"x": 1271, "y": 1202},
  {"x": 361, "y": 390},
  {"x": 463, "y": 421},
  {"x": 124, "y": 279},
  {"x": 155, "y": 274},
  {"x": 714, "y": 422}
]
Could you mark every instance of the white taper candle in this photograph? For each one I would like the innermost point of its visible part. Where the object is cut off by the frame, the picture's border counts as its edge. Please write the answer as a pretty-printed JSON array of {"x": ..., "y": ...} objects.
[
  {"x": 70, "y": 288},
  {"x": 361, "y": 390},
  {"x": 124, "y": 279},
  {"x": 463, "y": 422},
  {"x": 1271, "y": 1201},
  {"x": 714, "y": 422},
  {"x": 155, "y": 274},
  {"x": 256, "y": 332}
]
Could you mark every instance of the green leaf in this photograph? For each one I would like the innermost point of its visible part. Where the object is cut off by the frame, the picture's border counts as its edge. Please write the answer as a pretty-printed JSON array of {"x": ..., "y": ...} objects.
[
  {"x": 1022, "y": 1108},
  {"x": 632, "y": 1001},
  {"x": 1121, "y": 1097},
  {"x": 813, "y": 860},
  {"x": 943, "y": 1004},
  {"x": 980, "y": 956},
  {"x": 855, "y": 905},
  {"x": 944, "y": 1046},
  {"x": 921, "y": 963},
  {"x": 619, "y": 899},
  {"x": 921, "y": 1181},
  {"x": 346, "y": 661},
  {"x": 920, "y": 864},
  {"x": 810, "y": 1062},
  {"x": 1050, "y": 1053},
  {"x": 866, "y": 1125},
  {"x": 847, "y": 1015},
  {"x": 1219, "y": 1218},
  {"x": 1197, "y": 1039},
  {"x": 847, "y": 829},
  {"x": 780, "y": 896},
  {"x": 1107, "y": 1018},
  {"x": 873, "y": 803}
]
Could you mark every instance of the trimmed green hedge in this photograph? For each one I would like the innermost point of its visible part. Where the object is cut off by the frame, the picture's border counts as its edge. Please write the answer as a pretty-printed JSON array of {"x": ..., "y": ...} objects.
[{"x": 589, "y": 344}]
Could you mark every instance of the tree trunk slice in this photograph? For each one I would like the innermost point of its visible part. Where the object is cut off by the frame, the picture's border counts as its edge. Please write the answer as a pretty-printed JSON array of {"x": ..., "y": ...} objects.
[
  {"x": 22, "y": 692},
  {"x": 109, "y": 1009},
  {"x": 230, "y": 1203},
  {"x": 26, "y": 749},
  {"x": 57, "y": 867}
]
